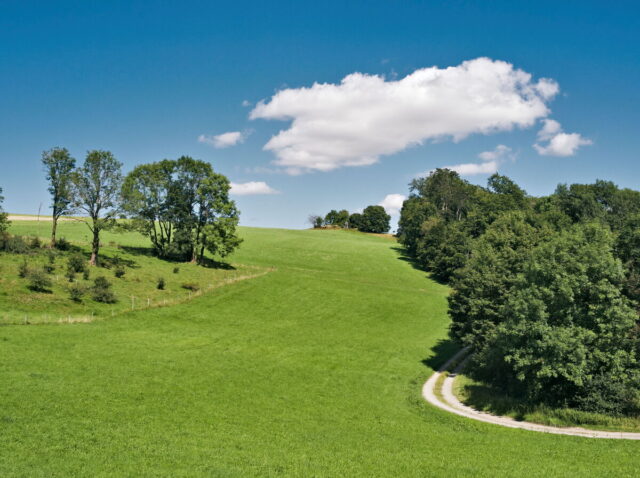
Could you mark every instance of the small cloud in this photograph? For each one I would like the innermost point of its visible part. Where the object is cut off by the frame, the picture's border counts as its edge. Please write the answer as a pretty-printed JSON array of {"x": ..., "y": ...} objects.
[
  {"x": 252, "y": 188},
  {"x": 498, "y": 153},
  {"x": 392, "y": 203},
  {"x": 472, "y": 169},
  {"x": 224, "y": 140},
  {"x": 558, "y": 143},
  {"x": 246, "y": 103}
]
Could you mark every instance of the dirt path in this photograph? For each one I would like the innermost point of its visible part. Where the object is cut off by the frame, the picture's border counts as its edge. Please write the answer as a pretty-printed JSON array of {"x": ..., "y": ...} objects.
[{"x": 449, "y": 402}]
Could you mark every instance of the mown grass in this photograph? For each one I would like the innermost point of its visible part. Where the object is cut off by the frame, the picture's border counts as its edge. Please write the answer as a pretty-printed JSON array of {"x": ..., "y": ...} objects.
[
  {"x": 485, "y": 398},
  {"x": 137, "y": 289},
  {"x": 314, "y": 369}
]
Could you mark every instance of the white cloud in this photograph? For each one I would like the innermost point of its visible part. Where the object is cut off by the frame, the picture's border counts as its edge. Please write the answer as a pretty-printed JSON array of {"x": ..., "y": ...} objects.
[
  {"x": 364, "y": 117},
  {"x": 471, "y": 169},
  {"x": 251, "y": 188},
  {"x": 498, "y": 153},
  {"x": 392, "y": 203},
  {"x": 558, "y": 143},
  {"x": 224, "y": 140}
]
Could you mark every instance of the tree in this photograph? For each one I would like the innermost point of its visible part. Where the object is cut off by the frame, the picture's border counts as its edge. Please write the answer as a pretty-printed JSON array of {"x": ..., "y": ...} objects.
[
  {"x": 59, "y": 166},
  {"x": 567, "y": 335},
  {"x": 375, "y": 219},
  {"x": 355, "y": 221},
  {"x": 337, "y": 218},
  {"x": 96, "y": 189},
  {"x": 4, "y": 220},
  {"x": 315, "y": 221},
  {"x": 183, "y": 206}
]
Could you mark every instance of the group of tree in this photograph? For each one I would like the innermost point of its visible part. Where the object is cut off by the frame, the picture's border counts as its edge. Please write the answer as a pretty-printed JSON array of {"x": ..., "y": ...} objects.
[
  {"x": 372, "y": 219},
  {"x": 182, "y": 205},
  {"x": 545, "y": 290}
]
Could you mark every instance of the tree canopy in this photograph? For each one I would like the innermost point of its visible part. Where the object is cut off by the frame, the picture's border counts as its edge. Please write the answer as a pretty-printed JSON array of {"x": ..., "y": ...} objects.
[{"x": 59, "y": 168}]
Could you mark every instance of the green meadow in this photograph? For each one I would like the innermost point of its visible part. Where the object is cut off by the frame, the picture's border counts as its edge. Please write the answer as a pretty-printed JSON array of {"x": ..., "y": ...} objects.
[{"x": 312, "y": 369}]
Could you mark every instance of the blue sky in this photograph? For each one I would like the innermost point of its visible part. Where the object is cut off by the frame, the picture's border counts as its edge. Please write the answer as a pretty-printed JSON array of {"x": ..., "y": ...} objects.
[{"x": 147, "y": 79}]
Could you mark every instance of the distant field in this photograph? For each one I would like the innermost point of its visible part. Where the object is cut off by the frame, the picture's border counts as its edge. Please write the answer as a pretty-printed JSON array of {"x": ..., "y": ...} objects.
[{"x": 313, "y": 369}]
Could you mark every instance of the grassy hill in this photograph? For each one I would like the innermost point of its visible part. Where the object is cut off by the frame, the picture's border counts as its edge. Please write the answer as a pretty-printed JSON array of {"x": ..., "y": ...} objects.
[{"x": 313, "y": 369}]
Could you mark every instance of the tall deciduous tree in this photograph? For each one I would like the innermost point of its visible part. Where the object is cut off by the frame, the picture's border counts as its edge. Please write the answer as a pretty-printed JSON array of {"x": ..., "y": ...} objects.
[
  {"x": 375, "y": 219},
  {"x": 96, "y": 190},
  {"x": 59, "y": 166}
]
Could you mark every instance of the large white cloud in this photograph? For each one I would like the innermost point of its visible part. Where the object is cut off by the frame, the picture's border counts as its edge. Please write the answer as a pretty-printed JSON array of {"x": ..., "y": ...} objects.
[
  {"x": 363, "y": 117},
  {"x": 223, "y": 140},
  {"x": 557, "y": 142},
  {"x": 392, "y": 203},
  {"x": 251, "y": 188},
  {"x": 471, "y": 169}
]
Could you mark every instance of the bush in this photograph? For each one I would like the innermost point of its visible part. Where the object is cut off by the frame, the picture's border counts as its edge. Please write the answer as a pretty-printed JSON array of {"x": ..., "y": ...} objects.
[
  {"x": 102, "y": 291},
  {"x": 48, "y": 268},
  {"x": 39, "y": 281},
  {"x": 15, "y": 245},
  {"x": 23, "y": 269},
  {"x": 192, "y": 286},
  {"x": 161, "y": 284},
  {"x": 35, "y": 243},
  {"x": 77, "y": 263},
  {"x": 51, "y": 257},
  {"x": 176, "y": 270},
  {"x": 119, "y": 272},
  {"x": 71, "y": 274},
  {"x": 86, "y": 273},
  {"x": 76, "y": 292},
  {"x": 62, "y": 244}
]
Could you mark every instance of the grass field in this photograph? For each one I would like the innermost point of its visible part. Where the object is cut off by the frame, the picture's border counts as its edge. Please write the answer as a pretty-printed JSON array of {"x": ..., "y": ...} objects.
[{"x": 313, "y": 369}]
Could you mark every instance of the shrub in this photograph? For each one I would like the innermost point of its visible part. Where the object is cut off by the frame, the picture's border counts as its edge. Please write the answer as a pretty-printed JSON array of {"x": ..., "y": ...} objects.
[
  {"x": 76, "y": 292},
  {"x": 51, "y": 257},
  {"x": 49, "y": 268},
  {"x": 62, "y": 244},
  {"x": 86, "y": 273},
  {"x": 161, "y": 284},
  {"x": 102, "y": 291},
  {"x": 39, "y": 281},
  {"x": 71, "y": 274},
  {"x": 15, "y": 245},
  {"x": 35, "y": 243},
  {"x": 77, "y": 263},
  {"x": 23, "y": 269},
  {"x": 176, "y": 270},
  {"x": 192, "y": 286},
  {"x": 119, "y": 272}
]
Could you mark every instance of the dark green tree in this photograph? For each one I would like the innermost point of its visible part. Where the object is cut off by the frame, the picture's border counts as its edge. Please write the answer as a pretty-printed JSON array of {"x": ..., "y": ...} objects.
[
  {"x": 375, "y": 219},
  {"x": 337, "y": 218},
  {"x": 355, "y": 220},
  {"x": 59, "y": 167},
  {"x": 96, "y": 190},
  {"x": 4, "y": 220}
]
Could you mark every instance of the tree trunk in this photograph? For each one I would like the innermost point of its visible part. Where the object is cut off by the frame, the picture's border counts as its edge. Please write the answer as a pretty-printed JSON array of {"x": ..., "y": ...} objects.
[
  {"x": 53, "y": 232},
  {"x": 95, "y": 247}
]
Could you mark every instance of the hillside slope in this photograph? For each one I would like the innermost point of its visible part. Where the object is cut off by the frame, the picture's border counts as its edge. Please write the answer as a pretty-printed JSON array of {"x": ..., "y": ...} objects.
[{"x": 314, "y": 369}]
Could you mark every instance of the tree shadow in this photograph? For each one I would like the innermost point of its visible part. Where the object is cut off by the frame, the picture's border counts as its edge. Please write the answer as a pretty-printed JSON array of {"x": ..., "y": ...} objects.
[
  {"x": 440, "y": 353},
  {"x": 403, "y": 255},
  {"x": 213, "y": 264}
]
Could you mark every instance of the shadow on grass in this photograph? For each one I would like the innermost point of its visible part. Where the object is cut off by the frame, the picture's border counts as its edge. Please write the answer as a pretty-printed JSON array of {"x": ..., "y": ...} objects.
[
  {"x": 440, "y": 353},
  {"x": 149, "y": 252},
  {"x": 403, "y": 255}
]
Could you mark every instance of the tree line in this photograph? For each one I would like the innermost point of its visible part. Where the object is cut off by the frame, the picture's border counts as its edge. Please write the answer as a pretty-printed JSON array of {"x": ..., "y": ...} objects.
[
  {"x": 372, "y": 219},
  {"x": 546, "y": 290},
  {"x": 182, "y": 205}
]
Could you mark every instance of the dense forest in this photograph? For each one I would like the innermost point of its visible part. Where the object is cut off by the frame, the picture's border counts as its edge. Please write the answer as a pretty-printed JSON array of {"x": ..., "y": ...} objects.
[{"x": 545, "y": 289}]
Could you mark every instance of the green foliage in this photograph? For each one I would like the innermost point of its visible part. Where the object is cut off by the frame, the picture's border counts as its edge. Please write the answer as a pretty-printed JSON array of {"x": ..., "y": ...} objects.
[
  {"x": 160, "y": 284},
  {"x": 183, "y": 206},
  {"x": 337, "y": 218},
  {"x": 39, "y": 281},
  {"x": 23, "y": 269},
  {"x": 355, "y": 220},
  {"x": 176, "y": 270},
  {"x": 374, "y": 219},
  {"x": 315, "y": 221},
  {"x": 62, "y": 244},
  {"x": 13, "y": 244},
  {"x": 76, "y": 292},
  {"x": 96, "y": 191},
  {"x": 35, "y": 243},
  {"x": 86, "y": 273},
  {"x": 119, "y": 272},
  {"x": 76, "y": 263},
  {"x": 4, "y": 220},
  {"x": 59, "y": 169},
  {"x": 101, "y": 291}
]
